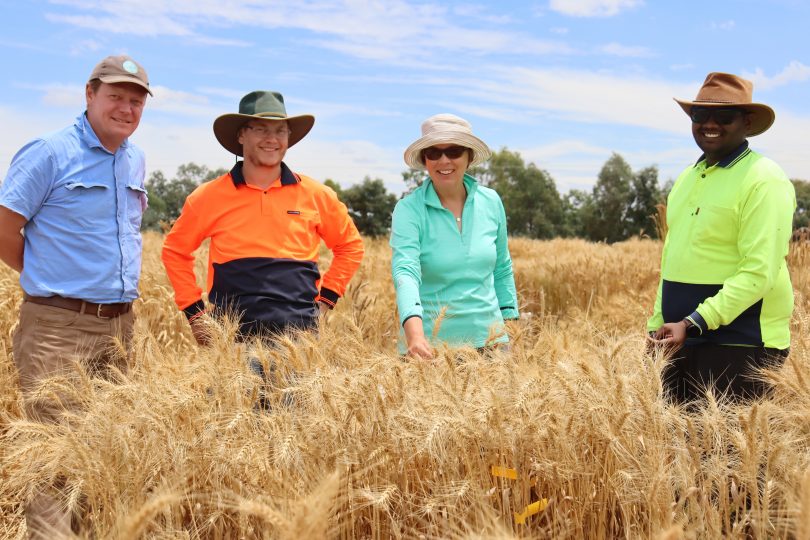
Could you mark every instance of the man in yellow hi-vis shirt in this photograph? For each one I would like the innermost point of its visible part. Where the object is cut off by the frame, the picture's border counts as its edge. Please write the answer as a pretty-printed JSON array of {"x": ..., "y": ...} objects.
[{"x": 725, "y": 300}]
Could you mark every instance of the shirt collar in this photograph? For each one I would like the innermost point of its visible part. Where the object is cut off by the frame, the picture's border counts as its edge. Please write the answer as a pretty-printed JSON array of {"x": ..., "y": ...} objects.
[
  {"x": 89, "y": 136},
  {"x": 287, "y": 176},
  {"x": 432, "y": 198},
  {"x": 731, "y": 159}
]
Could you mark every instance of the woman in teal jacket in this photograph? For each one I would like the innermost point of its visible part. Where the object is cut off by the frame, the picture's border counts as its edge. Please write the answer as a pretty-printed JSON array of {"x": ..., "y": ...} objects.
[{"x": 451, "y": 265}]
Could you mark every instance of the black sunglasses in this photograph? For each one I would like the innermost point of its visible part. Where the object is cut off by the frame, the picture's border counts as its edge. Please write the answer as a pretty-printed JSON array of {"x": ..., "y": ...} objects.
[
  {"x": 452, "y": 152},
  {"x": 722, "y": 115}
]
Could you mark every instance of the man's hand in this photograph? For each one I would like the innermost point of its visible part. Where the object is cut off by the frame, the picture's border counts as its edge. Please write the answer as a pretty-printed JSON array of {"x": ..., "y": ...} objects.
[
  {"x": 671, "y": 335},
  {"x": 418, "y": 346},
  {"x": 201, "y": 327},
  {"x": 323, "y": 309}
]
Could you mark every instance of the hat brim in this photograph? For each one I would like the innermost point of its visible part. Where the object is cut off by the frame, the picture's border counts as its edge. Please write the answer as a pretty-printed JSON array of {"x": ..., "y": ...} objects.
[
  {"x": 124, "y": 79},
  {"x": 762, "y": 116},
  {"x": 413, "y": 153},
  {"x": 227, "y": 126}
]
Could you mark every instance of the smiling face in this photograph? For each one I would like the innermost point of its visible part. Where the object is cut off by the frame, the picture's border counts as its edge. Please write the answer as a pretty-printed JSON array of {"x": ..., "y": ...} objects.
[
  {"x": 446, "y": 171},
  {"x": 719, "y": 139},
  {"x": 264, "y": 142},
  {"x": 114, "y": 111}
]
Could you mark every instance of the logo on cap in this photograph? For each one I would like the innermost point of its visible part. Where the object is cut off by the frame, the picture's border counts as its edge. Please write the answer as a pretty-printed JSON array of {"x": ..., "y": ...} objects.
[{"x": 130, "y": 66}]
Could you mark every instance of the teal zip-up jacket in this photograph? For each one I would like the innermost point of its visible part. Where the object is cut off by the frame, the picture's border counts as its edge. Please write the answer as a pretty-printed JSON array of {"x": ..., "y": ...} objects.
[
  {"x": 723, "y": 263},
  {"x": 463, "y": 278}
]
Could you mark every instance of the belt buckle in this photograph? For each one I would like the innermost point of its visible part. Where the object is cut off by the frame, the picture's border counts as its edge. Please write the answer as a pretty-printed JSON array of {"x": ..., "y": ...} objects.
[{"x": 98, "y": 312}]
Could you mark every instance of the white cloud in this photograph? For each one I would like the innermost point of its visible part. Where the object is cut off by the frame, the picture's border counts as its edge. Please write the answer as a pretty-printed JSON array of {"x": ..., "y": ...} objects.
[
  {"x": 786, "y": 143},
  {"x": 617, "y": 49},
  {"x": 205, "y": 40},
  {"x": 164, "y": 100},
  {"x": 347, "y": 161},
  {"x": 575, "y": 164},
  {"x": 228, "y": 93},
  {"x": 793, "y": 72},
  {"x": 331, "y": 109},
  {"x": 559, "y": 30},
  {"x": 62, "y": 95},
  {"x": 27, "y": 125},
  {"x": 169, "y": 143},
  {"x": 592, "y": 8},
  {"x": 389, "y": 30},
  {"x": 138, "y": 24},
  {"x": 724, "y": 25},
  {"x": 181, "y": 103},
  {"x": 554, "y": 150},
  {"x": 582, "y": 96},
  {"x": 488, "y": 111},
  {"x": 480, "y": 12},
  {"x": 84, "y": 45}
]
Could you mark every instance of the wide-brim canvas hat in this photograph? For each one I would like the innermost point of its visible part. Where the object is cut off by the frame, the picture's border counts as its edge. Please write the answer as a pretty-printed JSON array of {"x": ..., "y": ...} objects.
[
  {"x": 259, "y": 105},
  {"x": 727, "y": 90},
  {"x": 446, "y": 128}
]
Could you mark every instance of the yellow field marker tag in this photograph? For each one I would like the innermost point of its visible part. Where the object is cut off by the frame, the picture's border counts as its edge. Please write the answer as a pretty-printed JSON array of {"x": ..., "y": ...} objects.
[
  {"x": 532, "y": 509},
  {"x": 504, "y": 472}
]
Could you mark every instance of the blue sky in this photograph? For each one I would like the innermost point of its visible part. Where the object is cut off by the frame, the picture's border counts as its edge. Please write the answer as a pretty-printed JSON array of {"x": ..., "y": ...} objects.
[{"x": 565, "y": 83}]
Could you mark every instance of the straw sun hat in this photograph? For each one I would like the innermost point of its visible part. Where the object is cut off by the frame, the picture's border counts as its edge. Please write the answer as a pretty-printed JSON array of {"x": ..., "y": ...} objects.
[
  {"x": 446, "y": 129},
  {"x": 726, "y": 90}
]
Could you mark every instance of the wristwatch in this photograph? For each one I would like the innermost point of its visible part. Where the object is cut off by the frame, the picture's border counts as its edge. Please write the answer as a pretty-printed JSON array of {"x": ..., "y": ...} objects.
[{"x": 692, "y": 330}]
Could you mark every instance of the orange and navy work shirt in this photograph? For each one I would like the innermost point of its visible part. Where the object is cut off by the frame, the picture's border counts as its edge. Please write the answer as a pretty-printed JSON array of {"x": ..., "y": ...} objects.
[{"x": 263, "y": 254}]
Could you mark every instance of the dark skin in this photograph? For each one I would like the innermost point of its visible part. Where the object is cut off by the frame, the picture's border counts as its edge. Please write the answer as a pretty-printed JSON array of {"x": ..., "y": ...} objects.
[{"x": 717, "y": 141}]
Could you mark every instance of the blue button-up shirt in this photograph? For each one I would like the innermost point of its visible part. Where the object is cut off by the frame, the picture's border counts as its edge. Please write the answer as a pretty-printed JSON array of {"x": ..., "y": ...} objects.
[{"x": 84, "y": 206}]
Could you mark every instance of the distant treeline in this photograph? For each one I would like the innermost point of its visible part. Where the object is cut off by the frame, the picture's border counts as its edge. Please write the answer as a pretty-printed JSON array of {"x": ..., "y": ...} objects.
[{"x": 623, "y": 203}]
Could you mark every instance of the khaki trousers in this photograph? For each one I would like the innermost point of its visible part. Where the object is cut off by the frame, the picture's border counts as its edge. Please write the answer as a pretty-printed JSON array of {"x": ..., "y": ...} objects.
[{"x": 50, "y": 342}]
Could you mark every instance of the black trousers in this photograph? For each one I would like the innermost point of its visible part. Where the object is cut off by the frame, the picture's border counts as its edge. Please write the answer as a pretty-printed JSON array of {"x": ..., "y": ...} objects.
[{"x": 730, "y": 371}]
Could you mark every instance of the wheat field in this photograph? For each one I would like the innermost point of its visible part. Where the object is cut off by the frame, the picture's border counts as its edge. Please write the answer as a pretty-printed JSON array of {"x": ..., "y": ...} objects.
[{"x": 564, "y": 436}]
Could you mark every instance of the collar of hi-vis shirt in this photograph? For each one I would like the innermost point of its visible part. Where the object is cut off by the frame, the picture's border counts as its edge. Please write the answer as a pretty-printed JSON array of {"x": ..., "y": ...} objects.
[
  {"x": 731, "y": 159},
  {"x": 287, "y": 176}
]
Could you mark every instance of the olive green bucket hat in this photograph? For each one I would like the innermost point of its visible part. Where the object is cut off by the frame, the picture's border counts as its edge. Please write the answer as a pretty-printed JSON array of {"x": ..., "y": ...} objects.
[{"x": 259, "y": 105}]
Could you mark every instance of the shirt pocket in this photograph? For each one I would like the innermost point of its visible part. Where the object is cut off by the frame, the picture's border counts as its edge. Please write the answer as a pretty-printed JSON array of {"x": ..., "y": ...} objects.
[
  {"x": 87, "y": 202},
  {"x": 302, "y": 233},
  {"x": 136, "y": 206},
  {"x": 716, "y": 225}
]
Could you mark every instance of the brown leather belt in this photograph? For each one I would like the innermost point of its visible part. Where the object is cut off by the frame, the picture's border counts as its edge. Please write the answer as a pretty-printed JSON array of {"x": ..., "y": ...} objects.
[{"x": 102, "y": 311}]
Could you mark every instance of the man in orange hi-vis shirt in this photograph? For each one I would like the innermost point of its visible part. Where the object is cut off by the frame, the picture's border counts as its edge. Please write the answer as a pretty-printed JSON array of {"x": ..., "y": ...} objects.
[{"x": 265, "y": 224}]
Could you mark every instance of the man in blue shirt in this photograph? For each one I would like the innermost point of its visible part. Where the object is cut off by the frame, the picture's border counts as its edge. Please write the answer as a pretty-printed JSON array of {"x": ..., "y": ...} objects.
[{"x": 78, "y": 195}]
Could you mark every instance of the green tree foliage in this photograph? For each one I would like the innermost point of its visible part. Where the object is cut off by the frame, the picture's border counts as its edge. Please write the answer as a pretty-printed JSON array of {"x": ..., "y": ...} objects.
[
  {"x": 530, "y": 197},
  {"x": 334, "y": 186},
  {"x": 370, "y": 206},
  {"x": 802, "y": 216},
  {"x": 167, "y": 196},
  {"x": 622, "y": 203},
  {"x": 413, "y": 178},
  {"x": 607, "y": 217},
  {"x": 644, "y": 195},
  {"x": 576, "y": 205}
]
